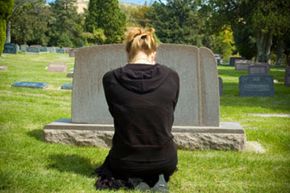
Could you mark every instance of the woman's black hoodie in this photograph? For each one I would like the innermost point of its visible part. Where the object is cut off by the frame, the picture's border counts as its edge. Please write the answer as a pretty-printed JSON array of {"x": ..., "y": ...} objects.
[{"x": 141, "y": 100}]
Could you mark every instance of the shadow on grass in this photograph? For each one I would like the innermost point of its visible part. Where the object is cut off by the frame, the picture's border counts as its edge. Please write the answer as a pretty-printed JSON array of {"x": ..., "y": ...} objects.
[
  {"x": 72, "y": 163},
  {"x": 37, "y": 134}
]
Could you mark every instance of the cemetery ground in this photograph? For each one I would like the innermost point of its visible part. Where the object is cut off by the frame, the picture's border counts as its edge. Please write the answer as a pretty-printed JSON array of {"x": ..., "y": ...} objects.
[{"x": 29, "y": 164}]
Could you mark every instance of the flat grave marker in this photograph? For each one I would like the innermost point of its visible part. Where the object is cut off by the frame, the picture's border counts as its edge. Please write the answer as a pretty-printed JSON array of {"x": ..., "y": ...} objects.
[
  {"x": 39, "y": 85},
  {"x": 66, "y": 86}
]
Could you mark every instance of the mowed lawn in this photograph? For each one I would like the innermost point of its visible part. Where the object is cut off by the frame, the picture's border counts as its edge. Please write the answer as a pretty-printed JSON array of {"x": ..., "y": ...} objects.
[{"x": 29, "y": 164}]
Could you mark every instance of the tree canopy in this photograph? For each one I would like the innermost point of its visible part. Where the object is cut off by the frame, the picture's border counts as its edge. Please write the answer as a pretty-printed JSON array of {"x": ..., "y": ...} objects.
[{"x": 106, "y": 15}]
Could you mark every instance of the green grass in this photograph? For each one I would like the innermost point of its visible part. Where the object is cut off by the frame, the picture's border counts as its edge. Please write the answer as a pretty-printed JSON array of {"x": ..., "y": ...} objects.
[{"x": 29, "y": 164}]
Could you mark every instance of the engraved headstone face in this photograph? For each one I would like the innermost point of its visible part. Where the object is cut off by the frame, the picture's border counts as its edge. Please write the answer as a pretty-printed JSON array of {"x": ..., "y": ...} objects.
[
  {"x": 258, "y": 69},
  {"x": 198, "y": 103},
  {"x": 256, "y": 85},
  {"x": 57, "y": 67},
  {"x": 10, "y": 48}
]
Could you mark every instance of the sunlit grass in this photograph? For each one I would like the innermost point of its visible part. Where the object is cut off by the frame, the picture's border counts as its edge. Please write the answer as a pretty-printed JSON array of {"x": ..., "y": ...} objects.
[{"x": 29, "y": 164}]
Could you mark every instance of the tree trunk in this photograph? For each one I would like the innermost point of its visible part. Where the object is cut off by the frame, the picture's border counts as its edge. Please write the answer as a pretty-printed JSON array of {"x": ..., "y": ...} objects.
[
  {"x": 8, "y": 32},
  {"x": 264, "y": 43},
  {"x": 279, "y": 52}
]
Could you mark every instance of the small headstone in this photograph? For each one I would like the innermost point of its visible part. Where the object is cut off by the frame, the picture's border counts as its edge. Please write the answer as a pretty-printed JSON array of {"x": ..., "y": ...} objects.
[
  {"x": 30, "y": 84},
  {"x": 43, "y": 49},
  {"x": 3, "y": 68},
  {"x": 256, "y": 85},
  {"x": 11, "y": 48},
  {"x": 23, "y": 47},
  {"x": 33, "y": 49},
  {"x": 242, "y": 64},
  {"x": 71, "y": 52},
  {"x": 220, "y": 86},
  {"x": 57, "y": 67},
  {"x": 287, "y": 76},
  {"x": 218, "y": 58},
  {"x": 233, "y": 60},
  {"x": 258, "y": 69},
  {"x": 66, "y": 86},
  {"x": 70, "y": 74},
  {"x": 59, "y": 50},
  {"x": 51, "y": 49}
]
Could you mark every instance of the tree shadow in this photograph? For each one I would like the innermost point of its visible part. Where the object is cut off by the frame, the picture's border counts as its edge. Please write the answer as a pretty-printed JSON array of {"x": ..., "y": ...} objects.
[{"x": 72, "y": 163}]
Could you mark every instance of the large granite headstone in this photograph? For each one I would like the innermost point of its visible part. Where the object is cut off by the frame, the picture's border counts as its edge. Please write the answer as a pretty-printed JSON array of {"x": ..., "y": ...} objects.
[
  {"x": 256, "y": 85},
  {"x": 287, "y": 76},
  {"x": 258, "y": 69},
  {"x": 196, "y": 123},
  {"x": 10, "y": 48}
]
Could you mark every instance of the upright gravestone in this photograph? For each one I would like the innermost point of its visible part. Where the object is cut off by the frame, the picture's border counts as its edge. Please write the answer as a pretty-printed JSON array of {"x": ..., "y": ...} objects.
[
  {"x": 258, "y": 69},
  {"x": 43, "y": 49},
  {"x": 242, "y": 64},
  {"x": 34, "y": 50},
  {"x": 51, "y": 49},
  {"x": 57, "y": 67},
  {"x": 71, "y": 52},
  {"x": 59, "y": 50},
  {"x": 233, "y": 60},
  {"x": 287, "y": 76},
  {"x": 11, "y": 48},
  {"x": 256, "y": 85},
  {"x": 196, "y": 124},
  {"x": 23, "y": 47}
]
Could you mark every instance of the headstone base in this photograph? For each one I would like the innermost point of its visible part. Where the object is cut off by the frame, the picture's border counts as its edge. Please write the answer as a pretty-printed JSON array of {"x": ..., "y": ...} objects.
[{"x": 229, "y": 136}]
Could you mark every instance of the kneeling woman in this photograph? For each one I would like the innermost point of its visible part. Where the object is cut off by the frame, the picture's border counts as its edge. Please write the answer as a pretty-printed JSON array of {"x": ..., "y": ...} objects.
[{"x": 141, "y": 97}]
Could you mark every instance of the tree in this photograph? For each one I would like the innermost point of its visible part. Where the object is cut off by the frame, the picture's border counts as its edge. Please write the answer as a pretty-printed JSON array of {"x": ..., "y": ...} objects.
[
  {"x": 66, "y": 25},
  {"x": 6, "y": 7},
  {"x": 263, "y": 20},
  {"x": 176, "y": 21},
  {"x": 136, "y": 14},
  {"x": 29, "y": 22},
  {"x": 106, "y": 15}
]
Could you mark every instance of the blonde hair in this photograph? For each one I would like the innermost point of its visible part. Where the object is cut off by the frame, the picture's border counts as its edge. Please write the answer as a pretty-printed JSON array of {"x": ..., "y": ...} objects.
[{"x": 140, "y": 39}]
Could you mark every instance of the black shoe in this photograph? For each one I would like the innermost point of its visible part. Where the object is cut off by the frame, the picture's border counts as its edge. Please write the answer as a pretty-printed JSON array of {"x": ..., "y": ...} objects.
[{"x": 161, "y": 185}]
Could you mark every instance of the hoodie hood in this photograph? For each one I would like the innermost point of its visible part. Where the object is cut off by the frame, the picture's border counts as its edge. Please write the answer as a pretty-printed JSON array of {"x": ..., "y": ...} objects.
[{"x": 141, "y": 78}]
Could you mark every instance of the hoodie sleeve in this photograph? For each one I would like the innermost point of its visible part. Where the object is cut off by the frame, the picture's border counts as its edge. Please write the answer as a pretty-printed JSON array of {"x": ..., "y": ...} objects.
[
  {"x": 176, "y": 79},
  {"x": 106, "y": 86}
]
